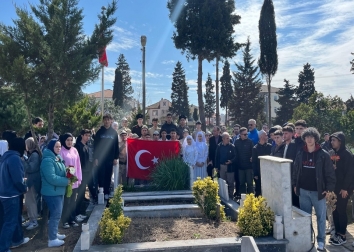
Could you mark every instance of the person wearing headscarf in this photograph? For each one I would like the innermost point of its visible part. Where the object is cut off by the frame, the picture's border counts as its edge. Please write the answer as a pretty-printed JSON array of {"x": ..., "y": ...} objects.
[
  {"x": 11, "y": 187},
  {"x": 202, "y": 148},
  {"x": 71, "y": 159},
  {"x": 33, "y": 182},
  {"x": 54, "y": 183},
  {"x": 190, "y": 152}
]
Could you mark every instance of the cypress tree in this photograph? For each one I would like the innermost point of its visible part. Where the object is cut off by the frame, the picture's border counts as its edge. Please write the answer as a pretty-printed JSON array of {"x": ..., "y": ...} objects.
[
  {"x": 179, "y": 95},
  {"x": 287, "y": 101},
  {"x": 209, "y": 97},
  {"x": 195, "y": 114},
  {"x": 226, "y": 88},
  {"x": 123, "y": 67},
  {"x": 246, "y": 102},
  {"x": 306, "y": 84},
  {"x": 268, "y": 59},
  {"x": 118, "y": 94}
]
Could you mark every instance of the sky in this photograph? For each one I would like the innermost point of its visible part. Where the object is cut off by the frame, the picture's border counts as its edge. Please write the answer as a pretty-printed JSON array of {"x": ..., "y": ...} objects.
[{"x": 319, "y": 32}]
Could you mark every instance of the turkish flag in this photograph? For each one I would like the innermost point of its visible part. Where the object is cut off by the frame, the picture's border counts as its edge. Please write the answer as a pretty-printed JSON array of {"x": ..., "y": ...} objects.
[
  {"x": 144, "y": 155},
  {"x": 103, "y": 58}
]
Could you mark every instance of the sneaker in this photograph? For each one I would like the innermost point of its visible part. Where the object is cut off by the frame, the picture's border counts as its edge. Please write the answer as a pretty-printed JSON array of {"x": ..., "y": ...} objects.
[
  {"x": 26, "y": 224},
  {"x": 74, "y": 224},
  {"x": 25, "y": 240},
  {"x": 78, "y": 219},
  {"x": 61, "y": 236},
  {"x": 339, "y": 241},
  {"x": 66, "y": 226},
  {"x": 33, "y": 225},
  {"x": 106, "y": 196},
  {"x": 55, "y": 243},
  {"x": 320, "y": 246},
  {"x": 333, "y": 238},
  {"x": 82, "y": 216}
]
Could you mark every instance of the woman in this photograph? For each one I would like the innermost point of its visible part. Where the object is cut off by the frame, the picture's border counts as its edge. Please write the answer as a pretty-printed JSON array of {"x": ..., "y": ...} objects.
[
  {"x": 71, "y": 159},
  {"x": 33, "y": 182},
  {"x": 190, "y": 153},
  {"x": 201, "y": 164},
  {"x": 11, "y": 187},
  {"x": 54, "y": 183}
]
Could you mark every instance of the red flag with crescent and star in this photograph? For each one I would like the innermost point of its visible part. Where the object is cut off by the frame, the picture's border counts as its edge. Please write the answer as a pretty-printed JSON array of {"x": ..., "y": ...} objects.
[
  {"x": 144, "y": 155},
  {"x": 103, "y": 58}
]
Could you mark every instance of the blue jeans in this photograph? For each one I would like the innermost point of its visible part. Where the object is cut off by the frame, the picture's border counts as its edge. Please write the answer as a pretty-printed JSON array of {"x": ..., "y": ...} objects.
[
  {"x": 55, "y": 206},
  {"x": 11, "y": 232},
  {"x": 309, "y": 199}
]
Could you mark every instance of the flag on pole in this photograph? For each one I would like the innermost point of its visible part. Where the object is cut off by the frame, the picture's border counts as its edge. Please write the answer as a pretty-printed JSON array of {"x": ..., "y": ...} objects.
[
  {"x": 144, "y": 155},
  {"x": 103, "y": 58}
]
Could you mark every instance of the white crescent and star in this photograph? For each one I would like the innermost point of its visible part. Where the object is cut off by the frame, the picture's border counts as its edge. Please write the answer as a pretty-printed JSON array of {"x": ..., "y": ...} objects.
[{"x": 155, "y": 160}]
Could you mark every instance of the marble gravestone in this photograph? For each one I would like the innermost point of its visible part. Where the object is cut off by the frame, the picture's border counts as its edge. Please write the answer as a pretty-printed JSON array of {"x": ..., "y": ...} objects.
[{"x": 276, "y": 188}]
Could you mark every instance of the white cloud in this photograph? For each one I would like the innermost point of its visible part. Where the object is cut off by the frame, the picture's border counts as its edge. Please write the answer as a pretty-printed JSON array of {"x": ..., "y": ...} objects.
[
  {"x": 167, "y": 62},
  {"x": 123, "y": 40}
]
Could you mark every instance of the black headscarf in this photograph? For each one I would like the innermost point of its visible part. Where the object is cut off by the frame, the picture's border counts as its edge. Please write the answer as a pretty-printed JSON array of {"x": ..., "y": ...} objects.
[
  {"x": 63, "y": 138},
  {"x": 8, "y": 135},
  {"x": 17, "y": 144}
]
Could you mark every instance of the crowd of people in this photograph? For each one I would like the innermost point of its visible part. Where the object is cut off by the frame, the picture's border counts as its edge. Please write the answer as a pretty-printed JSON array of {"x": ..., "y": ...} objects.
[{"x": 34, "y": 168}]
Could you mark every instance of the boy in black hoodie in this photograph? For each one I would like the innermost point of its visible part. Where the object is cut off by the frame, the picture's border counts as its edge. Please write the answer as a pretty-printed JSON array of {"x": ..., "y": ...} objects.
[{"x": 343, "y": 165}]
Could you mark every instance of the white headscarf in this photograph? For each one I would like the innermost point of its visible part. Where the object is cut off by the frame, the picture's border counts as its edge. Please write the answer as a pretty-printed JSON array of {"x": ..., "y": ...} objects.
[
  {"x": 203, "y": 139},
  {"x": 3, "y": 147},
  {"x": 185, "y": 144}
]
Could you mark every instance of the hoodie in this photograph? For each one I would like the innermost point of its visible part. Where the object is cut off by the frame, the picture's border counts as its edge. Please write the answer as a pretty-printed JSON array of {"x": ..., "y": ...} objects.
[
  {"x": 345, "y": 169},
  {"x": 11, "y": 175},
  {"x": 106, "y": 145}
]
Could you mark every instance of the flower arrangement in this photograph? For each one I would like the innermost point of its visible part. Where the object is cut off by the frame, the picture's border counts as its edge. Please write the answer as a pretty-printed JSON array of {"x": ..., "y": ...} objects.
[
  {"x": 70, "y": 174},
  {"x": 205, "y": 192},
  {"x": 335, "y": 159},
  {"x": 255, "y": 217}
]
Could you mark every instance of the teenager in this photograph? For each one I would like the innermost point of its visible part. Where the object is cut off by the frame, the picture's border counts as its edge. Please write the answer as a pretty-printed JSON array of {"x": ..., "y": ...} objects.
[
  {"x": 278, "y": 148},
  {"x": 137, "y": 128}
]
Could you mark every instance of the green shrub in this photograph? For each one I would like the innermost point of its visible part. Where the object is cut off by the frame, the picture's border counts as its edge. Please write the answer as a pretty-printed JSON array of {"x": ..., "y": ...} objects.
[
  {"x": 255, "y": 217},
  {"x": 206, "y": 197},
  {"x": 113, "y": 223},
  {"x": 170, "y": 174}
]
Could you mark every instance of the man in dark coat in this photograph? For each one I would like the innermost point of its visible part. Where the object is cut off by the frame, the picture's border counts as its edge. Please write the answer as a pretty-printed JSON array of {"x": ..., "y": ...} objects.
[
  {"x": 326, "y": 145},
  {"x": 137, "y": 128},
  {"x": 182, "y": 126},
  {"x": 213, "y": 144},
  {"x": 168, "y": 125}
]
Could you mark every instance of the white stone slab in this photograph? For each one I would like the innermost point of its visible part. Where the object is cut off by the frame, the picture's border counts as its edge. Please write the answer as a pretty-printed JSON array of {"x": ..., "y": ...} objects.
[
  {"x": 158, "y": 197},
  {"x": 152, "y": 193}
]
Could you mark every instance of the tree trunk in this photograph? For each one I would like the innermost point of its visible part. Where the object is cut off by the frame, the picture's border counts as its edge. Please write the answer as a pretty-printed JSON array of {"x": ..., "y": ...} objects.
[
  {"x": 269, "y": 102},
  {"x": 50, "y": 121},
  {"x": 217, "y": 92},
  {"x": 200, "y": 92}
]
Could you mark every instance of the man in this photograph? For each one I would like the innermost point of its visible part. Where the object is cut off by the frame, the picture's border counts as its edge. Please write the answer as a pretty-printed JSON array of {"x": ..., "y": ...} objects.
[
  {"x": 173, "y": 134},
  {"x": 213, "y": 144},
  {"x": 163, "y": 134},
  {"x": 271, "y": 135},
  {"x": 156, "y": 136},
  {"x": 223, "y": 129},
  {"x": 224, "y": 161},
  {"x": 278, "y": 148},
  {"x": 236, "y": 133},
  {"x": 344, "y": 171},
  {"x": 265, "y": 128},
  {"x": 300, "y": 126},
  {"x": 182, "y": 120},
  {"x": 144, "y": 133},
  {"x": 37, "y": 123},
  {"x": 168, "y": 125},
  {"x": 86, "y": 168},
  {"x": 244, "y": 147},
  {"x": 122, "y": 176},
  {"x": 252, "y": 131},
  {"x": 313, "y": 177},
  {"x": 155, "y": 127},
  {"x": 106, "y": 153},
  {"x": 198, "y": 128},
  {"x": 262, "y": 148},
  {"x": 326, "y": 145},
  {"x": 124, "y": 126},
  {"x": 137, "y": 128}
]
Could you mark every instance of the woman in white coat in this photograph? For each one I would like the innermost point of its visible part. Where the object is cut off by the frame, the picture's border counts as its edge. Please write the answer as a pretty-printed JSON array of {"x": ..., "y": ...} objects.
[{"x": 200, "y": 169}]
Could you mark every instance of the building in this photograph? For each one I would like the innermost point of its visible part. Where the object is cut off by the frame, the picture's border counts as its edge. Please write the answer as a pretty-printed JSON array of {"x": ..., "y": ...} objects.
[
  {"x": 108, "y": 94},
  {"x": 274, "y": 100},
  {"x": 158, "y": 110}
]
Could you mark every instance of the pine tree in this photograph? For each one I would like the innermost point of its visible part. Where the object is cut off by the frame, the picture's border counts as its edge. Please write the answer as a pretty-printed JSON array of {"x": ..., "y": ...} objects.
[
  {"x": 306, "y": 84},
  {"x": 226, "y": 88},
  {"x": 288, "y": 103},
  {"x": 246, "y": 102},
  {"x": 209, "y": 97},
  {"x": 127, "y": 90},
  {"x": 118, "y": 94},
  {"x": 195, "y": 114},
  {"x": 179, "y": 95},
  {"x": 350, "y": 103},
  {"x": 268, "y": 59}
]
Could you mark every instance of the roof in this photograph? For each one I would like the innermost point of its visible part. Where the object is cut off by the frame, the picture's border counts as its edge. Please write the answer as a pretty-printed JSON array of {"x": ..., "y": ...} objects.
[
  {"x": 107, "y": 93},
  {"x": 157, "y": 104},
  {"x": 264, "y": 89}
]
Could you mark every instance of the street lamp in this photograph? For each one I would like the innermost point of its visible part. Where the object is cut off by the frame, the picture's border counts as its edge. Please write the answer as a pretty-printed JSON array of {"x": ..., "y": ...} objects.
[{"x": 143, "y": 44}]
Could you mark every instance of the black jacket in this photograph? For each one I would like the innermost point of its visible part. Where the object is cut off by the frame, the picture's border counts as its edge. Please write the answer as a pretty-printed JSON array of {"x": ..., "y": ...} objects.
[
  {"x": 299, "y": 144},
  {"x": 257, "y": 151},
  {"x": 243, "y": 153},
  {"x": 106, "y": 145},
  {"x": 212, "y": 148},
  {"x": 278, "y": 151},
  {"x": 83, "y": 151},
  {"x": 345, "y": 169},
  {"x": 231, "y": 155},
  {"x": 325, "y": 176},
  {"x": 326, "y": 145},
  {"x": 168, "y": 126}
]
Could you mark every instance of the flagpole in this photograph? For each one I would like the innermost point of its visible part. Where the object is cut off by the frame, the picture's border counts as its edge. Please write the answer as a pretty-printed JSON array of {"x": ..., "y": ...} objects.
[{"x": 102, "y": 95}]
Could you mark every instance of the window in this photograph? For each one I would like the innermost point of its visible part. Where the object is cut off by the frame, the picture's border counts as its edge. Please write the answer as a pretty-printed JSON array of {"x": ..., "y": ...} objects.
[
  {"x": 164, "y": 104},
  {"x": 155, "y": 113},
  {"x": 276, "y": 97}
]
